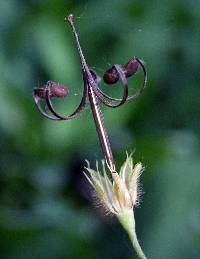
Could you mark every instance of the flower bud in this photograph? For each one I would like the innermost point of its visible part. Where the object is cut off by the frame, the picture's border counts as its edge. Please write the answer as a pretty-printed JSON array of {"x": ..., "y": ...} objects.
[
  {"x": 131, "y": 67},
  {"x": 111, "y": 76}
]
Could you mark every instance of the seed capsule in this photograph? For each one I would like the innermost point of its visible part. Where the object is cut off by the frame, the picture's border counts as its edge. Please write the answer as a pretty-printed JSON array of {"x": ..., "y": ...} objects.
[
  {"x": 111, "y": 76},
  {"x": 57, "y": 90},
  {"x": 131, "y": 67}
]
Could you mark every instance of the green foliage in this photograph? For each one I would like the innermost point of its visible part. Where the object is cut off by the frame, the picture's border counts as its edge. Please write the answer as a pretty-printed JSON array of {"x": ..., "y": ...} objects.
[{"x": 46, "y": 210}]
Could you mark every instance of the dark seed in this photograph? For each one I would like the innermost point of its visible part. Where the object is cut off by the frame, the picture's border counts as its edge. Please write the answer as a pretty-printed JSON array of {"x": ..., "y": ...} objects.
[
  {"x": 57, "y": 90},
  {"x": 111, "y": 76},
  {"x": 131, "y": 67}
]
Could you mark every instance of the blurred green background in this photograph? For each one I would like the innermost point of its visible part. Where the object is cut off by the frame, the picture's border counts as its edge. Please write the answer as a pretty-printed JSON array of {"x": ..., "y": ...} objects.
[{"x": 46, "y": 204}]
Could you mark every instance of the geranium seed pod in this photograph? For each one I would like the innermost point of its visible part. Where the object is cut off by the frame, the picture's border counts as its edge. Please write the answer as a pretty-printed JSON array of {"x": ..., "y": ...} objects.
[
  {"x": 96, "y": 78},
  {"x": 40, "y": 92},
  {"x": 57, "y": 90},
  {"x": 131, "y": 67},
  {"x": 111, "y": 76}
]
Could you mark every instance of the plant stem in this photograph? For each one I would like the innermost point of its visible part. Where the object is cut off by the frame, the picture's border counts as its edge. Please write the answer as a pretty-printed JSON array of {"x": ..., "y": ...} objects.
[
  {"x": 127, "y": 220},
  {"x": 101, "y": 130},
  {"x": 96, "y": 112}
]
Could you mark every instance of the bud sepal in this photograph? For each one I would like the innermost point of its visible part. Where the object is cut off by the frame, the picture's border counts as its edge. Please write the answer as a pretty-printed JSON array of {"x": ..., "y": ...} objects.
[{"x": 119, "y": 194}]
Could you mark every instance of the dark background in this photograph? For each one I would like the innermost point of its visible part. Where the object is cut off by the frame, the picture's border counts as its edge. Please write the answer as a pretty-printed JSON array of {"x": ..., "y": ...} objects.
[{"x": 46, "y": 204}]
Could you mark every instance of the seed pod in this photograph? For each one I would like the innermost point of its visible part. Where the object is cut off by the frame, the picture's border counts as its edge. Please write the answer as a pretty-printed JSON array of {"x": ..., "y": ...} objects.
[
  {"x": 40, "y": 92},
  {"x": 96, "y": 78},
  {"x": 111, "y": 76},
  {"x": 57, "y": 90},
  {"x": 131, "y": 67}
]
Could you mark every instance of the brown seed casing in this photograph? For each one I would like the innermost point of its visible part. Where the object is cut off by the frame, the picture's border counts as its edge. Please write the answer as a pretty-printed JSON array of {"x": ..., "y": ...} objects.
[
  {"x": 131, "y": 67},
  {"x": 57, "y": 90},
  {"x": 111, "y": 76}
]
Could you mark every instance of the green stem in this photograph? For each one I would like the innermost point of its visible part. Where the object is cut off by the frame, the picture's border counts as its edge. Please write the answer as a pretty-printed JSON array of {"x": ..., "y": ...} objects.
[{"x": 127, "y": 220}]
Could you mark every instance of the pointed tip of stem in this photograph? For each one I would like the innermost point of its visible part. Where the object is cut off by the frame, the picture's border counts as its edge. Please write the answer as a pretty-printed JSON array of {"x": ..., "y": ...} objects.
[{"x": 69, "y": 18}]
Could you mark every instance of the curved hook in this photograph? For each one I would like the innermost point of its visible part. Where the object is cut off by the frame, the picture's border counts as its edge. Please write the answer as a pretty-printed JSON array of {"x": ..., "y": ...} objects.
[
  {"x": 77, "y": 111},
  {"x": 114, "y": 102},
  {"x": 37, "y": 101},
  {"x": 143, "y": 85},
  {"x": 58, "y": 91}
]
